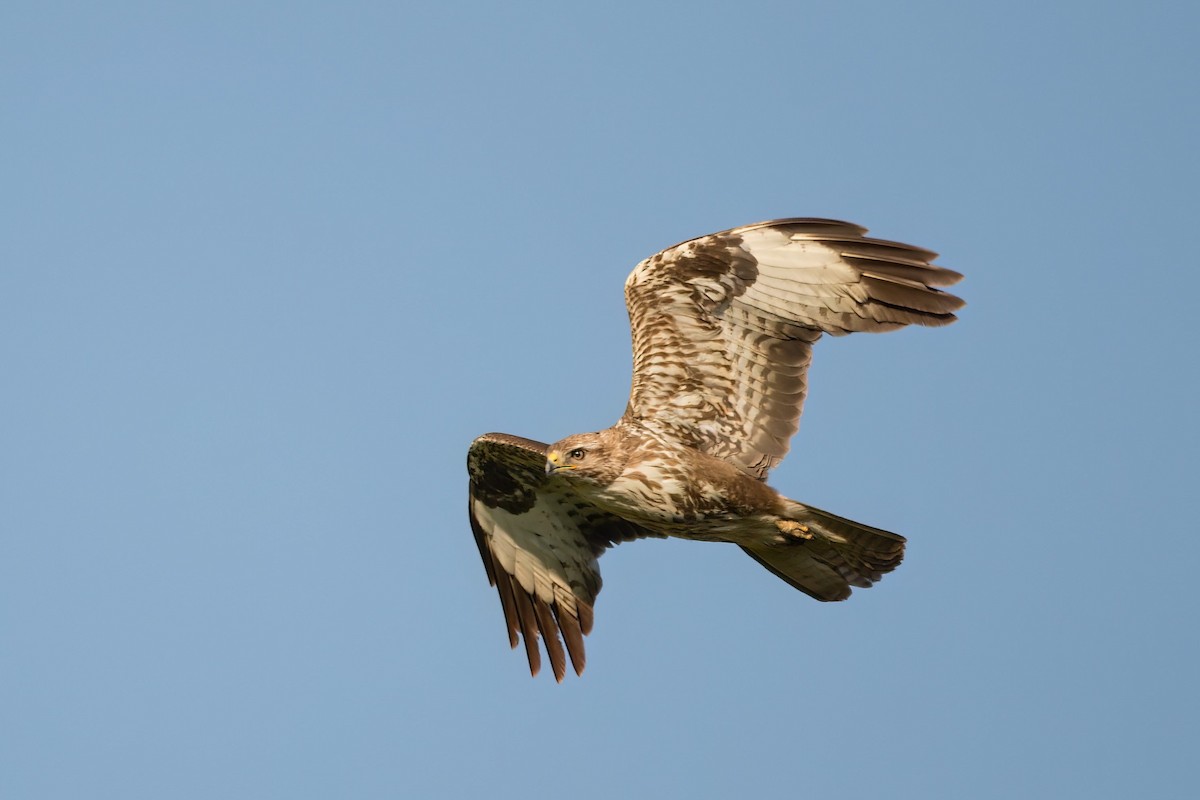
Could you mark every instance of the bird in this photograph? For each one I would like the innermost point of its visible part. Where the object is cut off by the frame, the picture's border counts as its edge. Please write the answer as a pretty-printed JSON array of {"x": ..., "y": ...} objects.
[{"x": 723, "y": 327}]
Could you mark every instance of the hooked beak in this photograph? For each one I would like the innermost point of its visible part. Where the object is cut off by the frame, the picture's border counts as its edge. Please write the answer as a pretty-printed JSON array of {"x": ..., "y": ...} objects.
[{"x": 554, "y": 462}]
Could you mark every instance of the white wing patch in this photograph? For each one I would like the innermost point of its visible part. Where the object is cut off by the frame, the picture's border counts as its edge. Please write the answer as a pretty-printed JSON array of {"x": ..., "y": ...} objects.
[{"x": 549, "y": 560}]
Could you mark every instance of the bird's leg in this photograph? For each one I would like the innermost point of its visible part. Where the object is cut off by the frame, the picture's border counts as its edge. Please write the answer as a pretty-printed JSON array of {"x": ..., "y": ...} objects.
[{"x": 793, "y": 530}]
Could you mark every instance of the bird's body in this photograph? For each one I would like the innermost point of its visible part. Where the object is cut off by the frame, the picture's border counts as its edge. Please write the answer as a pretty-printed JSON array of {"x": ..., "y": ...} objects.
[
  {"x": 723, "y": 328},
  {"x": 718, "y": 502}
]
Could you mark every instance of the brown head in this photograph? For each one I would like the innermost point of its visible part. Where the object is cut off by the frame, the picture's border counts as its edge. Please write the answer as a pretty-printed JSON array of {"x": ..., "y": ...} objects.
[{"x": 594, "y": 457}]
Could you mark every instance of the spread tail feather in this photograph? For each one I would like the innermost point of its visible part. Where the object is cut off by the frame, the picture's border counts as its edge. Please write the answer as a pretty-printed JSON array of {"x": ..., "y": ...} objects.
[{"x": 838, "y": 553}]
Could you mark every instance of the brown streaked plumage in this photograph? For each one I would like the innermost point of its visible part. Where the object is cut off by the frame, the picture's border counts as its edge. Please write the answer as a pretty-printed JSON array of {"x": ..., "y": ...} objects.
[{"x": 723, "y": 328}]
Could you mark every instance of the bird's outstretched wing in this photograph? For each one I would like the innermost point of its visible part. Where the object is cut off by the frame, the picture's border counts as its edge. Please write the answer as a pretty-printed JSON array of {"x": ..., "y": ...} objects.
[
  {"x": 723, "y": 326},
  {"x": 540, "y": 544}
]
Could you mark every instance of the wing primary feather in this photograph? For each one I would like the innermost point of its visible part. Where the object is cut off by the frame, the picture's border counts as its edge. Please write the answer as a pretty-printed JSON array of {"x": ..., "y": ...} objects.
[
  {"x": 584, "y": 611},
  {"x": 906, "y": 294},
  {"x": 498, "y": 578},
  {"x": 554, "y": 648},
  {"x": 927, "y": 274},
  {"x": 810, "y": 226},
  {"x": 508, "y": 602},
  {"x": 572, "y": 634},
  {"x": 529, "y": 632},
  {"x": 485, "y": 553}
]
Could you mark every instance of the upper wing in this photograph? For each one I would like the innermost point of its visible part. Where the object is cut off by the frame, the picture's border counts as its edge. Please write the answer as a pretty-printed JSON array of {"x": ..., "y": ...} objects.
[
  {"x": 539, "y": 544},
  {"x": 723, "y": 326}
]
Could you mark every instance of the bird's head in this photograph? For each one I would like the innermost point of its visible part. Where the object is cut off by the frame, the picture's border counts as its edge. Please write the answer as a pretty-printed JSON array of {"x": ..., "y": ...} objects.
[{"x": 594, "y": 457}]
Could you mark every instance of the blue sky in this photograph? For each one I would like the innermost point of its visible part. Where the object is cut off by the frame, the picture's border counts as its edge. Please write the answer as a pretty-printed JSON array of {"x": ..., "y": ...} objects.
[{"x": 266, "y": 269}]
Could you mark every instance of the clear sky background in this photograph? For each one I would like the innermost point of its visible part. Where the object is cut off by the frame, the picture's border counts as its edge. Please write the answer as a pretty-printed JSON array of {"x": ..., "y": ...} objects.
[{"x": 267, "y": 268}]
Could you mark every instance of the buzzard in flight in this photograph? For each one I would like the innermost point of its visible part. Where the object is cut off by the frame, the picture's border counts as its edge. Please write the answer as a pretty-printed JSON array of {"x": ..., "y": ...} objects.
[{"x": 723, "y": 328}]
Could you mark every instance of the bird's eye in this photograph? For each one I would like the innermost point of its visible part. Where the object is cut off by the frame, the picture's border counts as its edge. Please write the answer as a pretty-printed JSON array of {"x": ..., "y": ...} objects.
[{"x": 577, "y": 453}]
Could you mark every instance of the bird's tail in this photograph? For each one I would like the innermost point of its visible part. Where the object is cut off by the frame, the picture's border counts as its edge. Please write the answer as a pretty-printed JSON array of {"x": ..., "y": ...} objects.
[{"x": 823, "y": 555}]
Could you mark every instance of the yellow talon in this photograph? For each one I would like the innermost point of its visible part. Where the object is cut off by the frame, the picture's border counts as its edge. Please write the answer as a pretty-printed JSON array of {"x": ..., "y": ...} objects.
[{"x": 792, "y": 528}]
